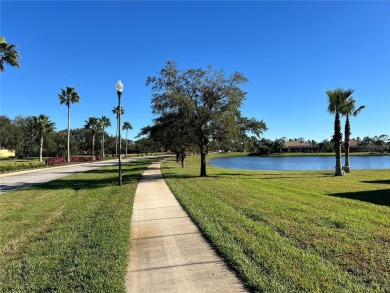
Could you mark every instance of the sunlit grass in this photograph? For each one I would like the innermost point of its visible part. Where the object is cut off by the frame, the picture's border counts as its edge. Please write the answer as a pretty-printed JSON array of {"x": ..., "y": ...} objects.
[
  {"x": 69, "y": 235},
  {"x": 287, "y": 231}
]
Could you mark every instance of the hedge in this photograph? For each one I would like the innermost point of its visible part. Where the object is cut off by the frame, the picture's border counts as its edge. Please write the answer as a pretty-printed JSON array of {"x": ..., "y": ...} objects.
[{"x": 76, "y": 159}]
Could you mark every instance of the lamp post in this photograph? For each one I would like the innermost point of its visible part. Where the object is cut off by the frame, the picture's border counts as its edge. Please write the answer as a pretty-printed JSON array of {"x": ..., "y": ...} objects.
[{"x": 119, "y": 89}]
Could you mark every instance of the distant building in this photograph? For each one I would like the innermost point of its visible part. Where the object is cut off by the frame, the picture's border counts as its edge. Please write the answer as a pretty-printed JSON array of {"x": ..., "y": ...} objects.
[
  {"x": 354, "y": 145},
  {"x": 299, "y": 147}
]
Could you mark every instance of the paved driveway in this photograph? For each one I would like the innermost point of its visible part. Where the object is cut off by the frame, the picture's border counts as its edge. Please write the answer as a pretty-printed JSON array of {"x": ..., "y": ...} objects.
[{"x": 12, "y": 181}]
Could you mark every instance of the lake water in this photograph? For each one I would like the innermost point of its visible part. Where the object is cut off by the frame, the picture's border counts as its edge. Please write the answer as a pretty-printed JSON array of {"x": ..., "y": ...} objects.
[{"x": 300, "y": 163}]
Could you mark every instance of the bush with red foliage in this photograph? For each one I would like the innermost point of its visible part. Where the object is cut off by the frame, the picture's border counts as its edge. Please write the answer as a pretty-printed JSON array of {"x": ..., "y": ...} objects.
[
  {"x": 76, "y": 159},
  {"x": 55, "y": 161}
]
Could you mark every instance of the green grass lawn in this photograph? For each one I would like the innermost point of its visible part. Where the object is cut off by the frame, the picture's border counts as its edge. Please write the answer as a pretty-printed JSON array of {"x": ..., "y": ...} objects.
[
  {"x": 68, "y": 235},
  {"x": 293, "y": 231}
]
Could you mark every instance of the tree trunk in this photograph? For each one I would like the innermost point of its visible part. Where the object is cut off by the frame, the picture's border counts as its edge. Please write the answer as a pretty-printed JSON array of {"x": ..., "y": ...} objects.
[
  {"x": 337, "y": 139},
  {"x": 93, "y": 146},
  {"x": 126, "y": 141},
  {"x": 40, "y": 148},
  {"x": 116, "y": 139},
  {"x": 203, "y": 161},
  {"x": 347, "y": 168},
  {"x": 339, "y": 169},
  {"x": 103, "y": 144},
  {"x": 68, "y": 133}
]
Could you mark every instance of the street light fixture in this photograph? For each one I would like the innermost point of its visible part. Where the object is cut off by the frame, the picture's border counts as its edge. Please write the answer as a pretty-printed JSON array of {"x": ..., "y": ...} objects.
[{"x": 119, "y": 89}]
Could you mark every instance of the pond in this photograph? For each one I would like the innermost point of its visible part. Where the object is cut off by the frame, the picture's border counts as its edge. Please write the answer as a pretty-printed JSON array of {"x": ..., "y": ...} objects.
[{"x": 300, "y": 163}]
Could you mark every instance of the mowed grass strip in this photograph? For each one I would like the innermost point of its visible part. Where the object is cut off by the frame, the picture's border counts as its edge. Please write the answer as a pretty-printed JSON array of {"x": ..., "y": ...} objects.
[
  {"x": 69, "y": 235},
  {"x": 293, "y": 231}
]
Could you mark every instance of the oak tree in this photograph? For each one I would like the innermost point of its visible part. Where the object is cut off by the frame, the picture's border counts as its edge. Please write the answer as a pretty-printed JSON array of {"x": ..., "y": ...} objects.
[{"x": 196, "y": 106}]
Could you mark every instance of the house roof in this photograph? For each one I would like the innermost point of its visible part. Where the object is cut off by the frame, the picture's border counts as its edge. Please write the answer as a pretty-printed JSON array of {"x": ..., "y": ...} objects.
[
  {"x": 354, "y": 143},
  {"x": 297, "y": 144}
]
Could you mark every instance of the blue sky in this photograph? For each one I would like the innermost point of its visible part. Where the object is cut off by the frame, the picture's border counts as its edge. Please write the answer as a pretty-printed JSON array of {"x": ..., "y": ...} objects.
[{"x": 290, "y": 51}]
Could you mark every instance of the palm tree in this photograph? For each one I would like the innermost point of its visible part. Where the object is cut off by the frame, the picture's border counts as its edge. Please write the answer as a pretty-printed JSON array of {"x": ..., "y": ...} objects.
[
  {"x": 116, "y": 111},
  {"x": 347, "y": 110},
  {"x": 8, "y": 54},
  {"x": 366, "y": 144},
  {"x": 42, "y": 125},
  {"x": 94, "y": 125},
  {"x": 126, "y": 126},
  {"x": 104, "y": 122},
  {"x": 336, "y": 101},
  {"x": 67, "y": 97}
]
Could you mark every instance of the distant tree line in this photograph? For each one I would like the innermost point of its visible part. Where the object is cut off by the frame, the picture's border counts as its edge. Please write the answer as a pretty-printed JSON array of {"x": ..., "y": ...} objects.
[
  {"x": 266, "y": 146},
  {"x": 27, "y": 134}
]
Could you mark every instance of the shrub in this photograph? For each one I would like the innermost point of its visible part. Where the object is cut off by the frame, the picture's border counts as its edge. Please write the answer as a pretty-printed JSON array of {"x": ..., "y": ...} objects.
[
  {"x": 18, "y": 166},
  {"x": 55, "y": 161},
  {"x": 80, "y": 159}
]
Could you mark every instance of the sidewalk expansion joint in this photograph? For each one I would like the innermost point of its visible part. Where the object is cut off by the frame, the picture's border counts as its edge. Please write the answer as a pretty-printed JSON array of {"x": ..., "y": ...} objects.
[
  {"x": 175, "y": 266},
  {"x": 154, "y": 199},
  {"x": 164, "y": 236},
  {"x": 159, "y": 219},
  {"x": 176, "y": 206}
]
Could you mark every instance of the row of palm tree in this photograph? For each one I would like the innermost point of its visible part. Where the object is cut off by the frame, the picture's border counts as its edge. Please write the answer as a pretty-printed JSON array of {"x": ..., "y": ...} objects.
[
  {"x": 43, "y": 125},
  {"x": 69, "y": 96},
  {"x": 99, "y": 124},
  {"x": 9, "y": 55},
  {"x": 341, "y": 103}
]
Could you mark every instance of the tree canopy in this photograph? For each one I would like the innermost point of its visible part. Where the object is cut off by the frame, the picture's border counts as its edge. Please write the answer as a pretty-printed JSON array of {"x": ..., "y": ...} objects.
[{"x": 195, "y": 107}]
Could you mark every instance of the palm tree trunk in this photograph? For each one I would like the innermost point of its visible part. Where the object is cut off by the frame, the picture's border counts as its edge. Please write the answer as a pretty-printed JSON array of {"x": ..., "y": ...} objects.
[
  {"x": 103, "y": 144},
  {"x": 68, "y": 132},
  {"x": 126, "y": 141},
  {"x": 337, "y": 139},
  {"x": 40, "y": 148},
  {"x": 339, "y": 169},
  {"x": 93, "y": 146},
  {"x": 116, "y": 139},
  {"x": 347, "y": 168}
]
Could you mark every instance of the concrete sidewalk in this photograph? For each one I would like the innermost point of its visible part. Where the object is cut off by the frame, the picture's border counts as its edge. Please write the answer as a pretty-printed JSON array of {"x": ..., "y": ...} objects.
[{"x": 168, "y": 253}]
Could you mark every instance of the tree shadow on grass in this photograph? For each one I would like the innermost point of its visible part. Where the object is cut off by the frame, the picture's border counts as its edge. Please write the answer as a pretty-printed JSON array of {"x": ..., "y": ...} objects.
[
  {"x": 111, "y": 178},
  {"x": 379, "y": 197},
  {"x": 269, "y": 176},
  {"x": 178, "y": 176},
  {"x": 112, "y": 171},
  {"x": 88, "y": 184},
  {"x": 378, "y": 181}
]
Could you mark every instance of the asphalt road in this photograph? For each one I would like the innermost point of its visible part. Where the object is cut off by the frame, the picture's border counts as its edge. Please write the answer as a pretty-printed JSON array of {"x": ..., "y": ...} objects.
[{"x": 16, "y": 180}]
